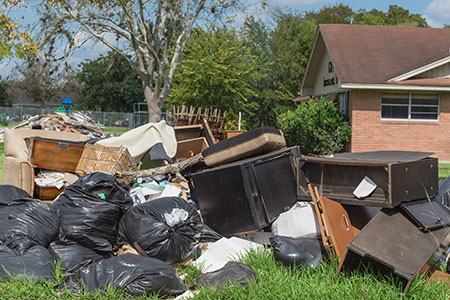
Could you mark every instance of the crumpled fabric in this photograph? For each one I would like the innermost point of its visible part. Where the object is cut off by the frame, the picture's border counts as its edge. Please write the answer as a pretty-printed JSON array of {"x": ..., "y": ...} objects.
[{"x": 140, "y": 140}]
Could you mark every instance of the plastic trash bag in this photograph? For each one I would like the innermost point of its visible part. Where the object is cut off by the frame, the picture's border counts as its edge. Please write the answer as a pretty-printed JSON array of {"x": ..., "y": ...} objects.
[
  {"x": 298, "y": 221},
  {"x": 136, "y": 274},
  {"x": 9, "y": 193},
  {"x": 232, "y": 273},
  {"x": 72, "y": 255},
  {"x": 302, "y": 251},
  {"x": 35, "y": 264},
  {"x": 208, "y": 235},
  {"x": 444, "y": 191},
  {"x": 164, "y": 228},
  {"x": 90, "y": 210},
  {"x": 26, "y": 223}
]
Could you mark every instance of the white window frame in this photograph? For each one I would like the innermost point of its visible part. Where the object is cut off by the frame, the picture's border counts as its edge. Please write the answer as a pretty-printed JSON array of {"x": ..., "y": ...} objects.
[{"x": 409, "y": 110}]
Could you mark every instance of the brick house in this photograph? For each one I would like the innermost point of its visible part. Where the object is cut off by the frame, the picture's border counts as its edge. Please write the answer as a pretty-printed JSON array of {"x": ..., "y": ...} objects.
[{"x": 392, "y": 83}]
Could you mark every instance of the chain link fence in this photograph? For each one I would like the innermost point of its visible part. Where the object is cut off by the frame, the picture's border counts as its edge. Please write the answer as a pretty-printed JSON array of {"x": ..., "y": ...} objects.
[{"x": 109, "y": 119}]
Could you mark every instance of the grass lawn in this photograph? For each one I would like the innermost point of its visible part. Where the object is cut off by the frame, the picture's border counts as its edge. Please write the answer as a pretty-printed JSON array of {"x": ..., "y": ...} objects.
[
  {"x": 116, "y": 130},
  {"x": 273, "y": 282}
]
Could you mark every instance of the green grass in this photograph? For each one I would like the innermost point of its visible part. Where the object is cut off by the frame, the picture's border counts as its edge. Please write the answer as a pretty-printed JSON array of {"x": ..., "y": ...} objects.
[
  {"x": 444, "y": 171},
  {"x": 277, "y": 282},
  {"x": 116, "y": 130},
  {"x": 273, "y": 282}
]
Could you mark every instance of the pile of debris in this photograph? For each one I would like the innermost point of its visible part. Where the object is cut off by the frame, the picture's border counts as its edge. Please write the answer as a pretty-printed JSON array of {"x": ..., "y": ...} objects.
[
  {"x": 77, "y": 122},
  {"x": 207, "y": 203}
]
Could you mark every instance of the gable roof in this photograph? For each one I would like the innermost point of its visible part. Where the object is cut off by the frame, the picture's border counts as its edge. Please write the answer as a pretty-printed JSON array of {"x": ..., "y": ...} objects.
[{"x": 377, "y": 54}]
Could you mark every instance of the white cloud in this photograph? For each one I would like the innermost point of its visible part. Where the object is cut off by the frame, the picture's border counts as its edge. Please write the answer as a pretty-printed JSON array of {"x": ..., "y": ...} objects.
[{"x": 438, "y": 13}]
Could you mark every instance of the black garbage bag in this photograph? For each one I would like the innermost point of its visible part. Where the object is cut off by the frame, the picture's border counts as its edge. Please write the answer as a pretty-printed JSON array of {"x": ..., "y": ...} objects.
[
  {"x": 302, "y": 251},
  {"x": 444, "y": 191},
  {"x": 36, "y": 264},
  {"x": 9, "y": 193},
  {"x": 26, "y": 223},
  {"x": 90, "y": 210},
  {"x": 72, "y": 255},
  {"x": 165, "y": 228},
  {"x": 137, "y": 274},
  {"x": 208, "y": 235},
  {"x": 232, "y": 272}
]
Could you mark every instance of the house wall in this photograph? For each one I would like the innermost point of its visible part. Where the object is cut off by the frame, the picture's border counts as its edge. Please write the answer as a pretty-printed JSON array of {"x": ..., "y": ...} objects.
[
  {"x": 332, "y": 81},
  {"x": 370, "y": 133}
]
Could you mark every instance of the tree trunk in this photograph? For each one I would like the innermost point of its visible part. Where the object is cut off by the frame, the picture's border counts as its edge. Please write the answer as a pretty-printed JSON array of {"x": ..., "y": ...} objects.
[{"x": 154, "y": 109}]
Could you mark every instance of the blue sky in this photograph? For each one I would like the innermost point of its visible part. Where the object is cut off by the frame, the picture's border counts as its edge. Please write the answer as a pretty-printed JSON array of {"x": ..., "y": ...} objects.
[{"x": 437, "y": 13}]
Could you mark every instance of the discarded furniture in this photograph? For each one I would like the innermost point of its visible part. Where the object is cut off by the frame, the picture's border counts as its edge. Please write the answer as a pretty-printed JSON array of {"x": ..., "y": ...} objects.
[
  {"x": 337, "y": 227},
  {"x": 392, "y": 245},
  {"x": 58, "y": 155},
  {"x": 189, "y": 148},
  {"x": 187, "y": 132},
  {"x": 194, "y": 131},
  {"x": 249, "y": 194},
  {"x": 17, "y": 170},
  {"x": 109, "y": 160},
  {"x": 252, "y": 143},
  {"x": 396, "y": 176},
  {"x": 428, "y": 214}
]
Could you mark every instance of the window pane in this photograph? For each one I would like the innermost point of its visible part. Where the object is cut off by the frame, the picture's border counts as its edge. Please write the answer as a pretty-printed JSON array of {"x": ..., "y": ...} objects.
[
  {"x": 420, "y": 109},
  {"x": 424, "y": 101},
  {"x": 394, "y": 112},
  {"x": 424, "y": 116},
  {"x": 394, "y": 101},
  {"x": 395, "y": 98}
]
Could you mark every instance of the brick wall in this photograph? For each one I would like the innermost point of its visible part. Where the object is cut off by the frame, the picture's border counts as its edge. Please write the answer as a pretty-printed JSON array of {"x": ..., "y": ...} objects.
[{"x": 370, "y": 133}]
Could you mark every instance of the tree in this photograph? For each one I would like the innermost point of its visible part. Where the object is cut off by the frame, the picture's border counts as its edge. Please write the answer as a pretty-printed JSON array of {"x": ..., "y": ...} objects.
[
  {"x": 156, "y": 32},
  {"x": 110, "y": 83},
  {"x": 13, "y": 41},
  {"x": 5, "y": 98},
  {"x": 396, "y": 16},
  {"x": 291, "y": 42},
  {"x": 333, "y": 14},
  {"x": 218, "y": 70},
  {"x": 39, "y": 80},
  {"x": 270, "y": 100}
]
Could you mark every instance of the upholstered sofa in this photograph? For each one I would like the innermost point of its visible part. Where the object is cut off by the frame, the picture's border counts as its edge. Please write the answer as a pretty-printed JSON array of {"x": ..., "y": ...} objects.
[{"x": 17, "y": 170}]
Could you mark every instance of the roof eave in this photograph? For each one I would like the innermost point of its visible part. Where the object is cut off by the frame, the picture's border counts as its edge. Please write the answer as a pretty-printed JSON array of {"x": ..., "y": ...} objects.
[
  {"x": 422, "y": 69},
  {"x": 390, "y": 86},
  {"x": 309, "y": 60}
]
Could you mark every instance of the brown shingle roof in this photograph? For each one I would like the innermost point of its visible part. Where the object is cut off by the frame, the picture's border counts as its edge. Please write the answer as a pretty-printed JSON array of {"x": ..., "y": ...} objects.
[{"x": 375, "y": 54}]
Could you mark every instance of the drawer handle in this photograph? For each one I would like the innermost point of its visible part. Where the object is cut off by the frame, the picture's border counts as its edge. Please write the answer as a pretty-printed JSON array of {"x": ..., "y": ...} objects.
[
  {"x": 346, "y": 222},
  {"x": 63, "y": 146}
]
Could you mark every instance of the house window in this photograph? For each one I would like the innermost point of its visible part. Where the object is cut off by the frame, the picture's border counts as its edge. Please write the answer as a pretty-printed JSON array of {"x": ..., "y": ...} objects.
[
  {"x": 343, "y": 104},
  {"x": 410, "y": 106}
]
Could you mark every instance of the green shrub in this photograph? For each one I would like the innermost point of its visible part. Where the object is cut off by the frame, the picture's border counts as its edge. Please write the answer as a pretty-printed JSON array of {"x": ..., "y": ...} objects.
[{"x": 316, "y": 126}]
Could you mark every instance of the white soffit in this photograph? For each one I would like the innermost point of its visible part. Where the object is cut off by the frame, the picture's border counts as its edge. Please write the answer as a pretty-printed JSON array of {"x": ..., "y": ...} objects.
[
  {"x": 388, "y": 86},
  {"x": 422, "y": 69}
]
